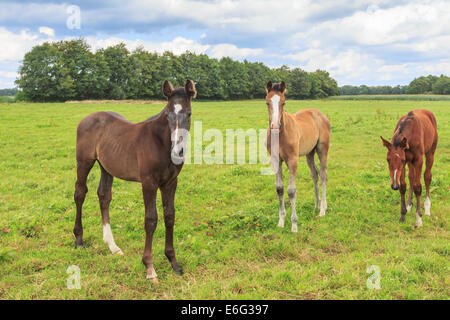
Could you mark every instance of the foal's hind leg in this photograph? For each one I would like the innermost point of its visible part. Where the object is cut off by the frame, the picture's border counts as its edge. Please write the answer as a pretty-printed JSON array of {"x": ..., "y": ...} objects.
[
  {"x": 322, "y": 152},
  {"x": 104, "y": 197},
  {"x": 427, "y": 177},
  {"x": 315, "y": 177},
  {"x": 83, "y": 168}
]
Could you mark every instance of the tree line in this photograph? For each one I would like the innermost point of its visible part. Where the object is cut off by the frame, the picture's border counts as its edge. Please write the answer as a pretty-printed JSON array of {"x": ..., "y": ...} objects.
[
  {"x": 70, "y": 70},
  {"x": 8, "y": 92},
  {"x": 421, "y": 85}
]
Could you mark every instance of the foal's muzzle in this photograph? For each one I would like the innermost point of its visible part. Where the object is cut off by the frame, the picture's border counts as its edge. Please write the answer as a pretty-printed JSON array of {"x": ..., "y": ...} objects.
[
  {"x": 394, "y": 187},
  {"x": 177, "y": 153},
  {"x": 274, "y": 126}
]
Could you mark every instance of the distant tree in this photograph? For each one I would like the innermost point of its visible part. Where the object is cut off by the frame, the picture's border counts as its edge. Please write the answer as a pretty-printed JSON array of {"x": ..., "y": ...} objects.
[
  {"x": 8, "y": 92},
  {"x": 322, "y": 85},
  {"x": 43, "y": 76},
  {"x": 442, "y": 85},
  {"x": 421, "y": 85},
  {"x": 70, "y": 70},
  {"x": 118, "y": 61},
  {"x": 299, "y": 84},
  {"x": 234, "y": 79},
  {"x": 257, "y": 77}
]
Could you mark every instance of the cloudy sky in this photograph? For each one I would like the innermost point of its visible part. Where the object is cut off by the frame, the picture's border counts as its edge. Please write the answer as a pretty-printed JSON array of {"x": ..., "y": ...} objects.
[{"x": 358, "y": 41}]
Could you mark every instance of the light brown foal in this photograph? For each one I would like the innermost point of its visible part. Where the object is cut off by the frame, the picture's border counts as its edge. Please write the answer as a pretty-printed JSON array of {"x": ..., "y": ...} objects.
[{"x": 301, "y": 134}]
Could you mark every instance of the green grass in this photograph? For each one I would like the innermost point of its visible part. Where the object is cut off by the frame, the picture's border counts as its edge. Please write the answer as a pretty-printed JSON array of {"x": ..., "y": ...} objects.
[
  {"x": 414, "y": 97},
  {"x": 5, "y": 99},
  {"x": 226, "y": 236}
]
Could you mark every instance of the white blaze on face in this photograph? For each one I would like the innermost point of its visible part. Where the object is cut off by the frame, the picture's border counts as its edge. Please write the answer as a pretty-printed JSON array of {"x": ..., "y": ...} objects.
[
  {"x": 177, "y": 108},
  {"x": 395, "y": 176},
  {"x": 275, "y": 110}
]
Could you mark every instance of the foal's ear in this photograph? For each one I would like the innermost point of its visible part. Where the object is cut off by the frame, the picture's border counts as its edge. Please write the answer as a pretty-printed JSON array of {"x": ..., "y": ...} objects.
[
  {"x": 283, "y": 87},
  {"x": 269, "y": 86},
  {"x": 190, "y": 88},
  {"x": 404, "y": 143},
  {"x": 167, "y": 88},
  {"x": 386, "y": 143}
]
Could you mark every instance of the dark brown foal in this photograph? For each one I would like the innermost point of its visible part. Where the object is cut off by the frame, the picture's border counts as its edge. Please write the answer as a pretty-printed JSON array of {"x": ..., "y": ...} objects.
[
  {"x": 415, "y": 135},
  {"x": 150, "y": 152}
]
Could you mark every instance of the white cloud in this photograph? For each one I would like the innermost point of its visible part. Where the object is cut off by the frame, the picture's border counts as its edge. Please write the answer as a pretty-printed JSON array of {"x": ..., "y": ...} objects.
[
  {"x": 357, "y": 41},
  {"x": 14, "y": 45},
  {"x": 230, "y": 50},
  {"x": 8, "y": 74},
  {"x": 177, "y": 45},
  {"x": 374, "y": 26},
  {"x": 347, "y": 64},
  {"x": 47, "y": 31}
]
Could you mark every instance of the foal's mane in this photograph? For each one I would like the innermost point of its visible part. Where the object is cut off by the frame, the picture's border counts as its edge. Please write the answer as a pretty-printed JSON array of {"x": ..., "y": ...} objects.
[{"x": 398, "y": 137}]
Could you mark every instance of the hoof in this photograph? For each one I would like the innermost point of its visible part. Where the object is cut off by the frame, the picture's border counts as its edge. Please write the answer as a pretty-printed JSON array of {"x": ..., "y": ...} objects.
[
  {"x": 417, "y": 226},
  {"x": 81, "y": 246},
  {"x": 322, "y": 214},
  {"x": 294, "y": 229},
  {"x": 154, "y": 280},
  {"x": 281, "y": 224},
  {"x": 178, "y": 271},
  {"x": 151, "y": 275},
  {"x": 402, "y": 219},
  {"x": 119, "y": 253}
]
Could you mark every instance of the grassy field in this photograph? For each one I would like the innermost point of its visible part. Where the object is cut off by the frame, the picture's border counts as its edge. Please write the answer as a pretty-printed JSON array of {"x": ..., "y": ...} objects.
[
  {"x": 226, "y": 236},
  {"x": 413, "y": 97}
]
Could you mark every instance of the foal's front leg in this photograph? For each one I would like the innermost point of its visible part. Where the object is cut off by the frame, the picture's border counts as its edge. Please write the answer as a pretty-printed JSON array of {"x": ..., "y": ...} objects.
[
  {"x": 280, "y": 193},
  {"x": 151, "y": 219},
  {"x": 402, "y": 195},
  {"x": 292, "y": 190},
  {"x": 168, "y": 196}
]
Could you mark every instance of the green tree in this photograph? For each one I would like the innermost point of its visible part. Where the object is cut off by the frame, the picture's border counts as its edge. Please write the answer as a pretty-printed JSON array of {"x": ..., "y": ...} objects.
[
  {"x": 118, "y": 61},
  {"x": 43, "y": 76},
  {"x": 257, "y": 77},
  {"x": 299, "y": 84},
  {"x": 421, "y": 85},
  {"x": 442, "y": 85},
  {"x": 234, "y": 79}
]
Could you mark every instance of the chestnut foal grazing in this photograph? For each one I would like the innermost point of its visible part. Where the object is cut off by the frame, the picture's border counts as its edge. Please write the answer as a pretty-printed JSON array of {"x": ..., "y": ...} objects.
[
  {"x": 414, "y": 135},
  {"x": 303, "y": 134},
  {"x": 150, "y": 152}
]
